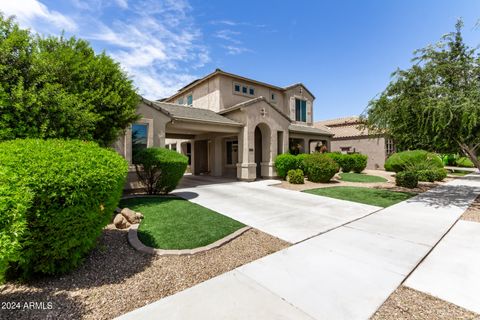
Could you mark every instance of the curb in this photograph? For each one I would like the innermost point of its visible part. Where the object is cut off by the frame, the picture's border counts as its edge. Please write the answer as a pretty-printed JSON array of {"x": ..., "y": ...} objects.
[{"x": 139, "y": 246}]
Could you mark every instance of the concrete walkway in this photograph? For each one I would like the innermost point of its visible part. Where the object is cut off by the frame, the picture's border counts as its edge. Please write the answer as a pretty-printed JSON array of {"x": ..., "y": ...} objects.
[
  {"x": 289, "y": 215},
  {"x": 452, "y": 271},
  {"x": 346, "y": 273}
]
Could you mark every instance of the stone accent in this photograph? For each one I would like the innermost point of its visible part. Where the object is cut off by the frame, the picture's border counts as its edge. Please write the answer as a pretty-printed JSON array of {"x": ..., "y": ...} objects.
[{"x": 139, "y": 246}]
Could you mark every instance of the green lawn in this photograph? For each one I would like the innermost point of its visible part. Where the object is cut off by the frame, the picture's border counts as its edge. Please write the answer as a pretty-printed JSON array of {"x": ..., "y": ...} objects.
[
  {"x": 360, "y": 177},
  {"x": 459, "y": 173},
  {"x": 375, "y": 197},
  {"x": 175, "y": 223}
]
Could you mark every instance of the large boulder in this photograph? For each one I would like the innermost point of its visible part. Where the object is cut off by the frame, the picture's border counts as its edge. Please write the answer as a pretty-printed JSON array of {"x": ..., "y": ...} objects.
[
  {"x": 121, "y": 222},
  {"x": 132, "y": 216}
]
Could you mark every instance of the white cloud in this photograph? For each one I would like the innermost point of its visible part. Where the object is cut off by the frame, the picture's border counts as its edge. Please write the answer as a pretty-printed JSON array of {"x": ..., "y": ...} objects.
[
  {"x": 228, "y": 35},
  {"x": 234, "y": 50},
  {"x": 32, "y": 12},
  {"x": 122, "y": 3}
]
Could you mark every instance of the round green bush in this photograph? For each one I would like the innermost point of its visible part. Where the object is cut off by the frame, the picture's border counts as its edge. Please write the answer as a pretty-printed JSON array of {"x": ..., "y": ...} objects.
[
  {"x": 14, "y": 202},
  {"x": 160, "y": 169},
  {"x": 440, "y": 174},
  {"x": 359, "y": 162},
  {"x": 464, "y": 162},
  {"x": 301, "y": 160},
  {"x": 74, "y": 187},
  {"x": 407, "y": 179},
  {"x": 335, "y": 156},
  {"x": 296, "y": 176},
  {"x": 320, "y": 168},
  {"x": 426, "y": 175},
  {"x": 421, "y": 159},
  {"x": 347, "y": 162},
  {"x": 284, "y": 163}
]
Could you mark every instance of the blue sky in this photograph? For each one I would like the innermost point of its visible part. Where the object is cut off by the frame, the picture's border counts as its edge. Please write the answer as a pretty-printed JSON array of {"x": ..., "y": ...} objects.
[{"x": 343, "y": 51}]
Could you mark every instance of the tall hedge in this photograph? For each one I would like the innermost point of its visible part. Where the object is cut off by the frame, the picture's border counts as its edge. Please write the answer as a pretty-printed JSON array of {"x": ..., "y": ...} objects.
[
  {"x": 160, "y": 169},
  {"x": 14, "y": 202},
  {"x": 421, "y": 159},
  {"x": 74, "y": 186}
]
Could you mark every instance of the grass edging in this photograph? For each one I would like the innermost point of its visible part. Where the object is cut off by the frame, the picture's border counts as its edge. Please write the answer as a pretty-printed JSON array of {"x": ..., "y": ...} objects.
[{"x": 139, "y": 246}]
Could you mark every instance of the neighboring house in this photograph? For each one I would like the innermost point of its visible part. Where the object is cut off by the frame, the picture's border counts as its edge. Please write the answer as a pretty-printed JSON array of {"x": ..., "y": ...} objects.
[
  {"x": 228, "y": 125},
  {"x": 350, "y": 137}
]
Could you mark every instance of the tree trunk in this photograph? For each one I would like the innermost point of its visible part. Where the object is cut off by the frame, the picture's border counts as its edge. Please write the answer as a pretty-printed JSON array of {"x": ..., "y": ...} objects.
[{"x": 471, "y": 153}]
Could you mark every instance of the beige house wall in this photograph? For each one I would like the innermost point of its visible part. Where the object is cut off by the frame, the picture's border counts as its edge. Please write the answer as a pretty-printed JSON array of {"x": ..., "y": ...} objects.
[
  {"x": 298, "y": 92},
  {"x": 205, "y": 95},
  {"x": 373, "y": 147}
]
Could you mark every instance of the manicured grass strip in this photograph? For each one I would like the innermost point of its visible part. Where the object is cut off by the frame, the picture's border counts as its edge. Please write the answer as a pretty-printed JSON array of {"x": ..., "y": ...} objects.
[
  {"x": 175, "y": 223},
  {"x": 375, "y": 197},
  {"x": 360, "y": 177},
  {"x": 459, "y": 173}
]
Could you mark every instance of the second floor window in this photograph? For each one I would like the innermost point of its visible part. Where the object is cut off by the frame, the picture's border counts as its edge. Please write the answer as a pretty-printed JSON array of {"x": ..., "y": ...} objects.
[
  {"x": 180, "y": 101},
  {"x": 190, "y": 100},
  {"x": 300, "y": 110}
]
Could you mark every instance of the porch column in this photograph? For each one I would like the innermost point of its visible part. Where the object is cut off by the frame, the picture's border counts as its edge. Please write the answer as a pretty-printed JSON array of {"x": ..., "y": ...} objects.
[
  {"x": 306, "y": 145},
  {"x": 217, "y": 164},
  {"x": 246, "y": 166},
  {"x": 268, "y": 168}
]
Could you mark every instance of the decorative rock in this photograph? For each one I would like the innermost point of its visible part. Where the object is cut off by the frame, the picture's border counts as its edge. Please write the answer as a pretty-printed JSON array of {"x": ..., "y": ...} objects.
[
  {"x": 121, "y": 222},
  {"x": 130, "y": 215},
  {"x": 139, "y": 216}
]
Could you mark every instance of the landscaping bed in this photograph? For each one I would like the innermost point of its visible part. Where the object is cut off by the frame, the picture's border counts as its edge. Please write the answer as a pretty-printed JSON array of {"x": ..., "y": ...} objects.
[
  {"x": 116, "y": 278},
  {"x": 175, "y": 223},
  {"x": 376, "y": 197},
  {"x": 406, "y": 304}
]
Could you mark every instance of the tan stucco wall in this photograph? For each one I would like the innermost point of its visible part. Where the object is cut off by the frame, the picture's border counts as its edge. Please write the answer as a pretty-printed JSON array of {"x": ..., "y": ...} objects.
[
  {"x": 300, "y": 93},
  {"x": 229, "y": 98},
  {"x": 374, "y": 148},
  {"x": 205, "y": 95}
]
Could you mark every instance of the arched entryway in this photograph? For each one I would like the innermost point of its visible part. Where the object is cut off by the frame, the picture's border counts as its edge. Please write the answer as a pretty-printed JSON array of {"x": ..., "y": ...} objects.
[{"x": 262, "y": 147}]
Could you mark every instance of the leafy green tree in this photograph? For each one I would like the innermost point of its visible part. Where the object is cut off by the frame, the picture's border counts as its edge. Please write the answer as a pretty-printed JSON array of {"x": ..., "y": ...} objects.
[
  {"x": 434, "y": 105},
  {"x": 54, "y": 87}
]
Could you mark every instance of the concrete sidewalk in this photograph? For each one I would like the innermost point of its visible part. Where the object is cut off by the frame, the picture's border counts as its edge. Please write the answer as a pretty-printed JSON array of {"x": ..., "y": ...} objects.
[
  {"x": 346, "y": 273},
  {"x": 452, "y": 271}
]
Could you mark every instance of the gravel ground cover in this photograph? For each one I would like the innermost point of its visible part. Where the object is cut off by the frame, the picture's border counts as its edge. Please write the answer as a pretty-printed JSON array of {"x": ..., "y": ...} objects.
[
  {"x": 116, "y": 278},
  {"x": 473, "y": 212},
  {"x": 409, "y": 304}
]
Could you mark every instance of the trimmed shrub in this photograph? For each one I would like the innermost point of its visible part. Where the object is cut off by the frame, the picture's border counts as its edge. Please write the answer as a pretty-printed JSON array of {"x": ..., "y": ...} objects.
[
  {"x": 73, "y": 189},
  {"x": 347, "y": 162},
  {"x": 426, "y": 175},
  {"x": 421, "y": 159},
  {"x": 284, "y": 163},
  {"x": 14, "y": 202},
  {"x": 320, "y": 167},
  {"x": 407, "y": 179},
  {"x": 450, "y": 159},
  {"x": 335, "y": 156},
  {"x": 359, "y": 162},
  {"x": 296, "y": 176},
  {"x": 159, "y": 169},
  {"x": 464, "y": 162},
  {"x": 301, "y": 160},
  {"x": 440, "y": 174}
]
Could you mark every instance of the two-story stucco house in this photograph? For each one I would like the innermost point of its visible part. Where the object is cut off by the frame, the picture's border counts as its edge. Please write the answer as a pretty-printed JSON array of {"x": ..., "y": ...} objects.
[{"x": 228, "y": 125}]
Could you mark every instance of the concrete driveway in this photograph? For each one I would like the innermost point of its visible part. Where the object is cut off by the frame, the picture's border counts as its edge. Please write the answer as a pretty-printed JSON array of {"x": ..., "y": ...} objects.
[
  {"x": 289, "y": 215},
  {"x": 346, "y": 273}
]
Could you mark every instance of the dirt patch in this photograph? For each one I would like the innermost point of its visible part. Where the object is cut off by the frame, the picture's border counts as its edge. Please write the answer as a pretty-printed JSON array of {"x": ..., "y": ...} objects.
[
  {"x": 116, "y": 279},
  {"x": 408, "y": 304},
  {"x": 473, "y": 212}
]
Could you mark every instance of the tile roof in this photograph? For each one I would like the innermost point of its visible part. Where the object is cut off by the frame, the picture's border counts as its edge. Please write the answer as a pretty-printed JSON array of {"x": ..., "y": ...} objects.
[
  {"x": 310, "y": 130},
  {"x": 344, "y": 127},
  {"x": 179, "y": 112}
]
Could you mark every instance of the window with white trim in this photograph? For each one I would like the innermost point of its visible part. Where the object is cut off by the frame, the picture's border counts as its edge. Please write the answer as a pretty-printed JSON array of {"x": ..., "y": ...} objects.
[
  {"x": 300, "y": 110},
  {"x": 189, "y": 100}
]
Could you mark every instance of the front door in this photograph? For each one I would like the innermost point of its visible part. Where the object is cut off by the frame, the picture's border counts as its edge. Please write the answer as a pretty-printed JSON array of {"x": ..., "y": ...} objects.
[
  {"x": 258, "y": 151},
  {"x": 200, "y": 156}
]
